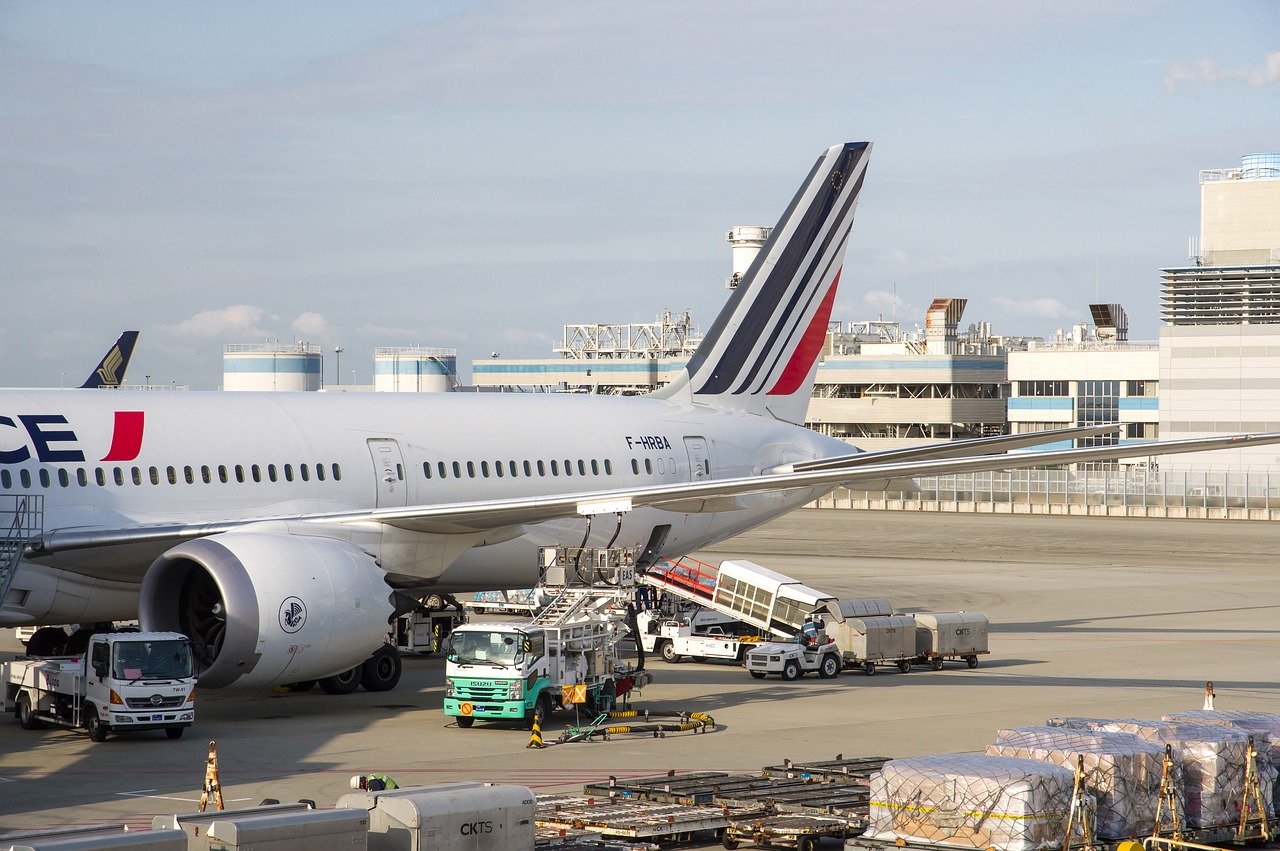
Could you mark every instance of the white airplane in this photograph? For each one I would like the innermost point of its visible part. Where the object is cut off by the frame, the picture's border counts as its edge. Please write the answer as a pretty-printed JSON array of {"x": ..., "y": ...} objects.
[{"x": 281, "y": 532}]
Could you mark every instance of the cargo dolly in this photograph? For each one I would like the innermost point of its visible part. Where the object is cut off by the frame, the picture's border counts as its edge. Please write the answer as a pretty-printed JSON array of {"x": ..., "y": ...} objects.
[
  {"x": 636, "y": 819},
  {"x": 787, "y": 831},
  {"x": 856, "y": 770}
]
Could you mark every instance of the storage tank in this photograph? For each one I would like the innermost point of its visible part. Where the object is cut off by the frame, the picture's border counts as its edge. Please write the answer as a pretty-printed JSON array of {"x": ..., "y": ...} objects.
[
  {"x": 272, "y": 366},
  {"x": 747, "y": 240},
  {"x": 414, "y": 369}
]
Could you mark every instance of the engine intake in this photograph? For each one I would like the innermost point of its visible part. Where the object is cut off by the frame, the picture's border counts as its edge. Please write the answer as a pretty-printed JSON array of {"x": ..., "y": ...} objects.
[{"x": 265, "y": 608}]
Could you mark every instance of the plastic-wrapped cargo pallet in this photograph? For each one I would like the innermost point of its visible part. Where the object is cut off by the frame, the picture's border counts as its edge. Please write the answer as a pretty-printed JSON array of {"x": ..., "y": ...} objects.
[
  {"x": 1265, "y": 729},
  {"x": 1121, "y": 770},
  {"x": 971, "y": 800}
]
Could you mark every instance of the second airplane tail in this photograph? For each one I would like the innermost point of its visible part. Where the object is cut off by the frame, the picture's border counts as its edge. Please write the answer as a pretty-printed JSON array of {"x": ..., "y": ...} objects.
[
  {"x": 761, "y": 353},
  {"x": 110, "y": 370}
]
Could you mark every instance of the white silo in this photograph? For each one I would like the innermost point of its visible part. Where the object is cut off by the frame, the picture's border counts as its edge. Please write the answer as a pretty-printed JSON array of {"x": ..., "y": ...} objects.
[
  {"x": 747, "y": 240},
  {"x": 414, "y": 369},
  {"x": 272, "y": 366}
]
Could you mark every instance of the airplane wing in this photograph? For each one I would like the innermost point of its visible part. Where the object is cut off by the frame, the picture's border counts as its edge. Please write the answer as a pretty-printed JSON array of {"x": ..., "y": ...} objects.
[{"x": 685, "y": 498}]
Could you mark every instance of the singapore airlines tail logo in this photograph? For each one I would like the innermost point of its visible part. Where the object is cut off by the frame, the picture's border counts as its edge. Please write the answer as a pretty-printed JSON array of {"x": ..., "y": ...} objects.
[{"x": 108, "y": 372}]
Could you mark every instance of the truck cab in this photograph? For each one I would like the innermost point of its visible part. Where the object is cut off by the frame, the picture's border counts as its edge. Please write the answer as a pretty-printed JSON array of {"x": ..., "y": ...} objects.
[
  {"x": 124, "y": 681},
  {"x": 497, "y": 671}
]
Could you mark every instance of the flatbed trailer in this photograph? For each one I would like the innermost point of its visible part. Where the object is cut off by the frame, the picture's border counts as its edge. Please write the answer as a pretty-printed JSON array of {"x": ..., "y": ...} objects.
[
  {"x": 856, "y": 770},
  {"x": 636, "y": 818},
  {"x": 802, "y": 832}
]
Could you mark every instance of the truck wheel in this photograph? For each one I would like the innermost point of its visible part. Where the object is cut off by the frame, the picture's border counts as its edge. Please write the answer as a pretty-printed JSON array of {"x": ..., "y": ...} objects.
[
  {"x": 26, "y": 715},
  {"x": 97, "y": 730},
  {"x": 465, "y": 721},
  {"x": 869, "y": 668},
  {"x": 759, "y": 675},
  {"x": 972, "y": 660},
  {"x": 698, "y": 659},
  {"x": 729, "y": 843},
  {"x": 174, "y": 732},
  {"x": 936, "y": 663},
  {"x": 904, "y": 666},
  {"x": 807, "y": 843},
  {"x": 830, "y": 667},
  {"x": 669, "y": 653},
  {"x": 381, "y": 671},
  {"x": 344, "y": 683},
  {"x": 541, "y": 712},
  {"x": 791, "y": 670}
]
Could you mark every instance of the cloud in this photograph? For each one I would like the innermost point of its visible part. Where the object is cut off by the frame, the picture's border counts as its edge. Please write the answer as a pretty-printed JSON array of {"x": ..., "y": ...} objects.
[
  {"x": 882, "y": 299},
  {"x": 240, "y": 320},
  {"x": 894, "y": 255},
  {"x": 311, "y": 325},
  {"x": 1040, "y": 308},
  {"x": 1210, "y": 73}
]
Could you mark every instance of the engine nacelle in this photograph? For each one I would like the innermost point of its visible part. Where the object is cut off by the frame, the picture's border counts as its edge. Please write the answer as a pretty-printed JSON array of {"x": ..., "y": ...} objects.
[{"x": 266, "y": 608}]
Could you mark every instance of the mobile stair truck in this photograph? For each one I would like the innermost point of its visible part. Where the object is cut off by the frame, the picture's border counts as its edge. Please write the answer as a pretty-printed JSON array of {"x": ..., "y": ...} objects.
[
  {"x": 568, "y": 654},
  {"x": 124, "y": 681}
]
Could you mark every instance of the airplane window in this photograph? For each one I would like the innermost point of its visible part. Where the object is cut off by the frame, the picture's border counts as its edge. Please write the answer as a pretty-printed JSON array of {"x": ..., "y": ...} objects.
[
  {"x": 172, "y": 475},
  {"x": 25, "y": 476},
  {"x": 206, "y": 475},
  {"x": 154, "y": 475},
  {"x": 256, "y": 472},
  {"x": 6, "y": 480},
  {"x": 471, "y": 469},
  {"x": 44, "y": 478},
  {"x": 442, "y": 470},
  {"x": 271, "y": 472},
  {"x": 608, "y": 467},
  {"x": 240, "y": 473},
  {"x": 555, "y": 468},
  {"x": 320, "y": 472},
  {"x": 542, "y": 471},
  {"x": 304, "y": 472},
  {"x": 288, "y": 472},
  {"x": 595, "y": 467},
  {"x": 457, "y": 470},
  {"x": 671, "y": 465},
  {"x": 568, "y": 467},
  {"x": 648, "y": 467},
  {"x": 582, "y": 467},
  {"x": 118, "y": 475},
  {"x": 100, "y": 476},
  {"x": 662, "y": 468},
  {"x": 337, "y": 473},
  {"x": 528, "y": 469},
  {"x": 64, "y": 478},
  {"x": 82, "y": 477},
  {"x": 399, "y": 472},
  {"x": 137, "y": 476},
  {"x": 426, "y": 469},
  {"x": 635, "y": 467},
  {"x": 189, "y": 475},
  {"x": 497, "y": 468},
  {"x": 484, "y": 469}
]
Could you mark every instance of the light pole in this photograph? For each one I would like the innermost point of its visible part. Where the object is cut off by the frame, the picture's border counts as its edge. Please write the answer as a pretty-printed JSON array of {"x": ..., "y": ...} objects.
[{"x": 337, "y": 369}]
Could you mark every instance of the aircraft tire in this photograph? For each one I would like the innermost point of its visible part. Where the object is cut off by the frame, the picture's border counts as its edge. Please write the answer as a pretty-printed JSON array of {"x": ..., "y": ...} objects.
[
  {"x": 343, "y": 683},
  {"x": 381, "y": 671}
]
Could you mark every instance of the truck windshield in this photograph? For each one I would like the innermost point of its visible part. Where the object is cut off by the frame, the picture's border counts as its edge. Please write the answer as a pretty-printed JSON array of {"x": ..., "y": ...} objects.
[
  {"x": 168, "y": 659},
  {"x": 487, "y": 648}
]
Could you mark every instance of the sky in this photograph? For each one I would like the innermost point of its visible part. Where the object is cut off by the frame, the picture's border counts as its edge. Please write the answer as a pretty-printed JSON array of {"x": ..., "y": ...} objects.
[{"x": 477, "y": 174}]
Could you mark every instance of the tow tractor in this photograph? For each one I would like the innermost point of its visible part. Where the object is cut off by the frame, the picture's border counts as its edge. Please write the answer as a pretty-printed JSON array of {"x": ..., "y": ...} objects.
[
  {"x": 569, "y": 654},
  {"x": 792, "y": 660},
  {"x": 124, "y": 681}
]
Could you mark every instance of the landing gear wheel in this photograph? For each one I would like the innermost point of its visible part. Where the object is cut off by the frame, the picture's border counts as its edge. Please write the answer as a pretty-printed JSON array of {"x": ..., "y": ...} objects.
[
  {"x": 433, "y": 601},
  {"x": 869, "y": 668},
  {"x": 936, "y": 664},
  {"x": 303, "y": 685},
  {"x": 26, "y": 716},
  {"x": 904, "y": 665},
  {"x": 47, "y": 641},
  {"x": 174, "y": 732},
  {"x": 830, "y": 667},
  {"x": 669, "y": 653},
  {"x": 972, "y": 660},
  {"x": 381, "y": 671},
  {"x": 344, "y": 683},
  {"x": 791, "y": 670},
  {"x": 465, "y": 721},
  {"x": 97, "y": 730},
  {"x": 759, "y": 675}
]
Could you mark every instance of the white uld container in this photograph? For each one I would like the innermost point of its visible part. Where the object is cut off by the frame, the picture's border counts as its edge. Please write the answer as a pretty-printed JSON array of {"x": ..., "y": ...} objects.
[
  {"x": 104, "y": 837},
  {"x": 448, "y": 817},
  {"x": 875, "y": 639},
  {"x": 273, "y": 827},
  {"x": 951, "y": 633}
]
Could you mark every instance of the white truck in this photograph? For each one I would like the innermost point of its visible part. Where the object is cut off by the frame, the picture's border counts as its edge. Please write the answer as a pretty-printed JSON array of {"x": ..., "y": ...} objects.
[
  {"x": 124, "y": 681},
  {"x": 792, "y": 660},
  {"x": 696, "y": 633}
]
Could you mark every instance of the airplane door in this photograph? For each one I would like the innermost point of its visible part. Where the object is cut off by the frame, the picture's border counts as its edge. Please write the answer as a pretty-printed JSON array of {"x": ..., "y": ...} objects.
[
  {"x": 699, "y": 461},
  {"x": 388, "y": 471}
]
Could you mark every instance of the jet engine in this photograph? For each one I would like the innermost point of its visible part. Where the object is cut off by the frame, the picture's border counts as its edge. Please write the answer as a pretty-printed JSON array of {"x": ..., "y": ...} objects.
[{"x": 265, "y": 608}]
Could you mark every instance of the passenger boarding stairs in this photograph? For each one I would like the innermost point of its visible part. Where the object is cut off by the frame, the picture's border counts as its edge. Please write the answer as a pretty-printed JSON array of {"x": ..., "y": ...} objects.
[
  {"x": 21, "y": 520},
  {"x": 741, "y": 590}
]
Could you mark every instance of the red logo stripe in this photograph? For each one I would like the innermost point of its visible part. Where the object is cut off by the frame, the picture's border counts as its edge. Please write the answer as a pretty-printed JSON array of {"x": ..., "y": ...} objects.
[
  {"x": 126, "y": 438},
  {"x": 797, "y": 369}
]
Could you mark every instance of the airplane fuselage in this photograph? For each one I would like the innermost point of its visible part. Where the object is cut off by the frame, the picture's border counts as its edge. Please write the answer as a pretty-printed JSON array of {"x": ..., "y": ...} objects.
[{"x": 112, "y": 460}]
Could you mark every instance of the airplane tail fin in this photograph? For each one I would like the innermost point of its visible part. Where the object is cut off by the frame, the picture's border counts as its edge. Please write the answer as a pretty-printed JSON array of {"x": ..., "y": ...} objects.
[
  {"x": 110, "y": 370},
  {"x": 761, "y": 353}
]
